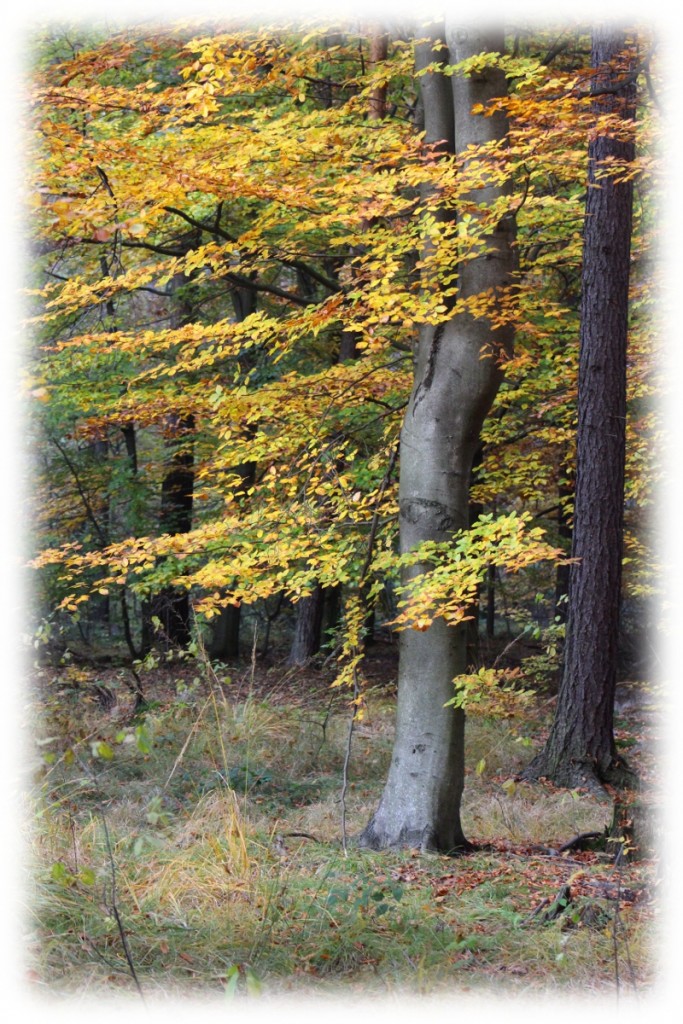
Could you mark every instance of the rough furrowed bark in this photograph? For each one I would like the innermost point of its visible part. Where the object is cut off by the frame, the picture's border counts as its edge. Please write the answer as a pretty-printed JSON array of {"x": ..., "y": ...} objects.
[
  {"x": 456, "y": 379},
  {"x": 580, "y": 750}
]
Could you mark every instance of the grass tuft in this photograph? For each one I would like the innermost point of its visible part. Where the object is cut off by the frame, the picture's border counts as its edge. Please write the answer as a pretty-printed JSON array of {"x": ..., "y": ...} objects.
[{"x": 217, "y": 893}]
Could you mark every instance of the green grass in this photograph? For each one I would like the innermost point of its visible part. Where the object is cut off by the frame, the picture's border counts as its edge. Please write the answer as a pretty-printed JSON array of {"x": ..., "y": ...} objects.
[{"x": 214, "y": 896}]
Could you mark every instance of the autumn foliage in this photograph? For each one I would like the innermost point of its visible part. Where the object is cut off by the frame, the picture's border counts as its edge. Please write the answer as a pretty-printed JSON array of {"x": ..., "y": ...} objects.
[{"x": 232, "y": 255}]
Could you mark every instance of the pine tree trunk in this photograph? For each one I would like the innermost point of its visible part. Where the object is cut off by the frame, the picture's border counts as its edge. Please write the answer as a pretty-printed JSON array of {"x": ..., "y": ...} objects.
[
  {"x": 452, "y": 392},
  {"x": 581, "y": 749}
]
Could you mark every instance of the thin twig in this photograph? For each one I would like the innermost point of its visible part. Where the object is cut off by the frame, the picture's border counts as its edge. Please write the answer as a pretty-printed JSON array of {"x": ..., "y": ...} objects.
[
  {"x": 347, "y": 759},
  {"x": 323, "y": 724},
  {"x": 507, "y": 648},
  {"x": 113, "y": 906},
  {"x": 72, "y": 828},
  {"x": 617, "y": 925},
  {"x": 615, "y": 943},
  {"x": 115, "y": 910}
]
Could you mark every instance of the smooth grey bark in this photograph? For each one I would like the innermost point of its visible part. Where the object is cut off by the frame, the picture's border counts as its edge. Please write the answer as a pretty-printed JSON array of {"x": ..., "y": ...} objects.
[{"x": 452, "y": 392}]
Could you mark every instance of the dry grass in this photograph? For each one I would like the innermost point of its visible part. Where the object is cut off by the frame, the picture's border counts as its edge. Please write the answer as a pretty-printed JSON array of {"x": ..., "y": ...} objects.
[{"x": 214, "y": 892}]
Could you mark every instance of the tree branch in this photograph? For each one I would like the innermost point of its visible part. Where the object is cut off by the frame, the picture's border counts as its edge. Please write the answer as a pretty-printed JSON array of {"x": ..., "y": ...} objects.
[{"x": 79, "y": 487}]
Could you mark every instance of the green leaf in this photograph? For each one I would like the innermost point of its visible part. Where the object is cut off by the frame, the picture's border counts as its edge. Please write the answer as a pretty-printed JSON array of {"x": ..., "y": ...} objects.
[
  {"x": 59, "y": 873},
  {"x": 103, "y": 750},
  {"x": 254, "y": 985},
  {"x": 232, "y": 978},
  {"x": 143, "y": 739}
]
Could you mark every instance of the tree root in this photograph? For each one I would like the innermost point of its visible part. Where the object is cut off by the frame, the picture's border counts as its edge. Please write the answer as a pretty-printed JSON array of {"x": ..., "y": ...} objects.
[
  {"x": 581, "y": 774},
  {"x": 584, "y": 841},
  {"x": 424, "y": 841},
  {"x": 555, "y": 906},
  {"x": 628, "y": 834}
]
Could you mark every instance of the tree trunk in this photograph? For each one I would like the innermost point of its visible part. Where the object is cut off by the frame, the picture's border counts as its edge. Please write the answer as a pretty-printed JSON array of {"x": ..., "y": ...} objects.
[
  {"x": 377, "y": 109},
  {"x": 225, "y": 634},
  {"x": 308, "y": 628},
  {"x": 332, "y": 610},
  {"x": 379, "y": 49},
  {"x": 473, "y": 638},
  {"x": 172, "y": 606},
  {"x": 581, "y": 749},
  {"x": 564, "y": 531},
  {"x": 452, "y": 392}
]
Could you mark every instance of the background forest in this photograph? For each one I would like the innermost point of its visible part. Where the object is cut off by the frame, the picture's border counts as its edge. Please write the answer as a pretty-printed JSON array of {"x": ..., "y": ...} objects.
[{"x": 332, "y": 449}]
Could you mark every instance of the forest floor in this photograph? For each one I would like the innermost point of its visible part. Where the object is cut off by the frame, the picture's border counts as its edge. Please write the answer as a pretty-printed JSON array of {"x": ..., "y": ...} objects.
[{"x": 203, "y": 847}]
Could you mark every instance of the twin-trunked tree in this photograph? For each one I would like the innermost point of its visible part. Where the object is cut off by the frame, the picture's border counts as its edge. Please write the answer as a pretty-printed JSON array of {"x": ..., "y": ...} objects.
[
  {"x": 457, "y": 374},
  {"x": 321, "y": 227}
]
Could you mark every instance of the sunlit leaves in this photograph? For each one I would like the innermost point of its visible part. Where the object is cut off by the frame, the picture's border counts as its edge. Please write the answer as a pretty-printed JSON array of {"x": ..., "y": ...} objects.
[
  {"x": 243, "y": 163},
  {"x": 442, "y": 579}
]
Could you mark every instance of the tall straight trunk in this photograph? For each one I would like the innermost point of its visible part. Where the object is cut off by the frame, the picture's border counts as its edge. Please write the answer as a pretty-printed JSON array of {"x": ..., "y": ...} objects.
[
  {"x": 379, "y": 49},
  {"x": 172, "y": 606},
  {"x": 377, "y": 110},
  {"x": 580, "y": 749},
  {"x": 452, "y": 392},
  {"x": 564, "y": 531},
  {"x": 224, "y": 641},
  {"x": 130, "y": 439}
]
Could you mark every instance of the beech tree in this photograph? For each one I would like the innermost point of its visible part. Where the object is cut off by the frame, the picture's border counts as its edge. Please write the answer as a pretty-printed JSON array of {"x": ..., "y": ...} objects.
[
  {"x": 354, "y": 281},
  {"x": 457, "y": 373},
  {"x": 580, "y": 749}
]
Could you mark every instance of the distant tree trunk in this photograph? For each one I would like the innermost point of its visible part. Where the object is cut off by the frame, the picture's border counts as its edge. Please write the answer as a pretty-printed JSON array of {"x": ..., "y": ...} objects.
[
  {"x": 452, "y": 392},
  {"x": 170, "y": 605},
  {"x": 377, "y": 109},
  {"x": 379, "y": 50},
  {"x": 99, "y": 606},
  {"x": 316, "y": 614},
  {"x": 225, "y": 635},
  {"x": 473, "y": 638},
  {"x": 491, "y": 602},
  {"x": 332, "y": 609},
  {"x": 580, "y": 749},
  {"x": 131, "y": 443},
  {"x": 308, "y": 628},
  {"x": 564, "y": 530}
]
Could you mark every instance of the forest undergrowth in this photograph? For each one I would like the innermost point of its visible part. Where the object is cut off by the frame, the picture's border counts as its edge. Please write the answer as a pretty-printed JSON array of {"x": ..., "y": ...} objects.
[{"x": 204, "y": 845}]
